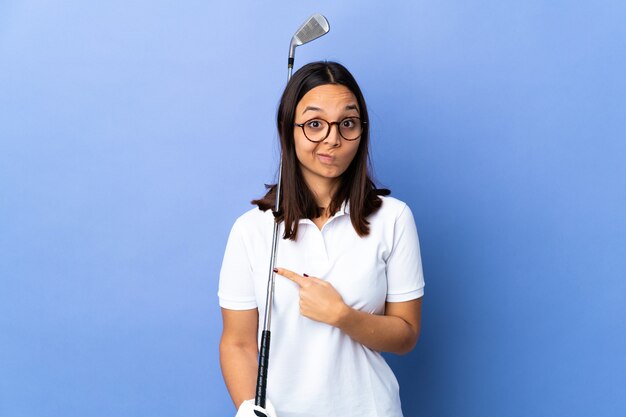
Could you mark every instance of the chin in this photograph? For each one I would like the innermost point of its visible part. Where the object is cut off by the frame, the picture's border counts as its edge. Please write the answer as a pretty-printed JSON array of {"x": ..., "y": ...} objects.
[{"x": 332, "y": 174}]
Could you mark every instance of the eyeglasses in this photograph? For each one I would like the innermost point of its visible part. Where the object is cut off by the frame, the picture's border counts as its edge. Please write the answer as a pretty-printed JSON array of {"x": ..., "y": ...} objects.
[{"x": 316, "y": 130}]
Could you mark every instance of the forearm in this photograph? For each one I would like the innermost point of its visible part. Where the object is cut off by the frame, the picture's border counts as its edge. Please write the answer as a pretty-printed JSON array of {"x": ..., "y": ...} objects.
[
  {"x": 239, "y": 368},
  {"x": 380, "y": 333},
  {"x": 397, "y": 331}
]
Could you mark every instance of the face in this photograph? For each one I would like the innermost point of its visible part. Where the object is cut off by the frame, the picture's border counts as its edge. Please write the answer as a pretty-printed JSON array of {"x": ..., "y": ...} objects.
[{"x": 323, "y": 163}]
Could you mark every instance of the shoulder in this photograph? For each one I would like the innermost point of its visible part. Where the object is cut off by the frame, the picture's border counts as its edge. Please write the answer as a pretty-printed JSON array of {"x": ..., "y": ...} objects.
[
  {"x": 392, "y": 208},
  {"x": 392, "y": 214},
  {"x": 253, "y": 217},
  {"x": 253, "y": 221}
]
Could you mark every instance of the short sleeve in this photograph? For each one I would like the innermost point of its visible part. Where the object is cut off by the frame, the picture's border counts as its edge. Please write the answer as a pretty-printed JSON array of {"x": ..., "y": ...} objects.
[
  {"x": 405, "y": 278},
  {"x": 236, "y": 287}
]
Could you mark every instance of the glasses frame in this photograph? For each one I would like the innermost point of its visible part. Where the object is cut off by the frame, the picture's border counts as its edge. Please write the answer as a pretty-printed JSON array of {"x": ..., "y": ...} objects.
[{"x": 330, "y": 126}]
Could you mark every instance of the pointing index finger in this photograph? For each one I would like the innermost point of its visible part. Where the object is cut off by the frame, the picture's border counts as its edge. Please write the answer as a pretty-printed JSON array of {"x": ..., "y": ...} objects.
[{"x": 290, "y": 275}]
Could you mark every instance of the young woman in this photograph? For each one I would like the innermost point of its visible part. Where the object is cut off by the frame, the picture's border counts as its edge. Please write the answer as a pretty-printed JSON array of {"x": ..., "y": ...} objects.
[{"x": 350, "y": 276}]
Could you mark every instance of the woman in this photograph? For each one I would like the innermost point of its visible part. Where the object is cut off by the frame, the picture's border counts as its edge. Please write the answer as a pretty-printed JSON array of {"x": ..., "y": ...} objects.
[{"x": 350, "y": 277}]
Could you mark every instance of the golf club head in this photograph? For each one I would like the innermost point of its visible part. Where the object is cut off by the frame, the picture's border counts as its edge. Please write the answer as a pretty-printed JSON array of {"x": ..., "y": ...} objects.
[{"x": 314, "y": 27}]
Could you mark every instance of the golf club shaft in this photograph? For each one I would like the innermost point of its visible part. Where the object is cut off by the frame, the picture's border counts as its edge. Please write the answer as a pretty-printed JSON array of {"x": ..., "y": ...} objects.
[
  {"x": 313, "y": 28},
  {"x": 264, "y": 348}
]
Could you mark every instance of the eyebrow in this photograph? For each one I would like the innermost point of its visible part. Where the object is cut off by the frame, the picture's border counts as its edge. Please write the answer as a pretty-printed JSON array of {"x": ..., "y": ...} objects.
[{"x": 313, "y": 108}]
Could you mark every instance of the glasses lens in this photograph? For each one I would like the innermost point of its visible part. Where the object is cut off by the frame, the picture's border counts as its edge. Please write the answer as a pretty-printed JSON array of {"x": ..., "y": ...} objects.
[
  {"x": 350, "y": 128},
  {"x": 316, "y": 129}
]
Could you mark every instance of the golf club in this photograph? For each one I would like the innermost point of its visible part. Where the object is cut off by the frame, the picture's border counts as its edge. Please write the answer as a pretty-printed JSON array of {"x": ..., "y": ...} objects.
[{"x": 314, "y": 27}]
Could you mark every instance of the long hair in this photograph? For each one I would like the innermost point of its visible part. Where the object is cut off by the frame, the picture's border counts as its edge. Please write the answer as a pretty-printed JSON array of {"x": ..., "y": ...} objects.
[{"x": 356, "y": 186}]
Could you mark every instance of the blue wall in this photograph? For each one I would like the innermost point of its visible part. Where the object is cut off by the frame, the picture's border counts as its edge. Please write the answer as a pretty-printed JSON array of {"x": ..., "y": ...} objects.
[{"x": 132, "y": 134}]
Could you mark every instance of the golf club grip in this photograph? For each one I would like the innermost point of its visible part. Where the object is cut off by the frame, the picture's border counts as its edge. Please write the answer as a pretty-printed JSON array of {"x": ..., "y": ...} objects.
[{"x": 261, "y": 380}]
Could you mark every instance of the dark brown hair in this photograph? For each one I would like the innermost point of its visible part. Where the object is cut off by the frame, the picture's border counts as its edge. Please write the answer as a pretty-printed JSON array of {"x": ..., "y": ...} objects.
[{"x": 356, "y": 186}]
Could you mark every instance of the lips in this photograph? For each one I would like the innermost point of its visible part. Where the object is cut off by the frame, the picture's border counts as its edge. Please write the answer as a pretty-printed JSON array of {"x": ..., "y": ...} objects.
[{"x": 325, "y": 158}]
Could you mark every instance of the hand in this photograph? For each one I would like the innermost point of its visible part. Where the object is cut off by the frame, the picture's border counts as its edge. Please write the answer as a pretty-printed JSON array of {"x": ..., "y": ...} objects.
[
  {"x": 319, "y": 300},
  {"x": 248, "y": 409}
]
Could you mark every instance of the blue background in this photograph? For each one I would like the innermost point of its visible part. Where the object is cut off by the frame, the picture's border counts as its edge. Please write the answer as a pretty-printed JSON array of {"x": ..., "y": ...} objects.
[{"x": 132, "y": 134}]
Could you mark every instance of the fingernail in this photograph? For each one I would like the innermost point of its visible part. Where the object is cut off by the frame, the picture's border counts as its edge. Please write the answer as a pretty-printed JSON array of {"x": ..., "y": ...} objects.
[
  {"x": 305, "y": 275},
  {"x": 275, "y": 269}
]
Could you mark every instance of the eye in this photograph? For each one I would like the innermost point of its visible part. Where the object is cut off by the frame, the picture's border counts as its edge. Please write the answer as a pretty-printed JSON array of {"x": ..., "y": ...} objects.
[
  {"x": 349, "y": 123},
  {"x": 314, "y": 124}
]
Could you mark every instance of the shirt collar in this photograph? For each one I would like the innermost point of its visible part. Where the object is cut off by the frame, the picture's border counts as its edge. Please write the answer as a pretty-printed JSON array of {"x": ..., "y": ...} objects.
[{"x": 343, "y": 209}]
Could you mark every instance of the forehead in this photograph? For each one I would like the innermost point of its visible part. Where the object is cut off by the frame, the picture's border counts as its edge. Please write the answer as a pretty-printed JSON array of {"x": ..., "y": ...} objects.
[{"x": 327, "y": 98}]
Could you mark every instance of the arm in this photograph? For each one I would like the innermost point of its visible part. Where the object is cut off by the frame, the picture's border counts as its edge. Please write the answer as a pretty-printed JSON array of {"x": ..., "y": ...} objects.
[
  {"x": 238, "y": 353},
  {"x": 397, "y": 331}
]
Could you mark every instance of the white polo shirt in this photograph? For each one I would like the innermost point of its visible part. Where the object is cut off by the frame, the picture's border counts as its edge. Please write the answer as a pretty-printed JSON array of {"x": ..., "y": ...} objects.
[{"x": 315, "y": 369}]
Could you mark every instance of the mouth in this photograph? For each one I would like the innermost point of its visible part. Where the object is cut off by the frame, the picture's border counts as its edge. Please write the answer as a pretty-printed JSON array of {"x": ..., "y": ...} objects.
[{"x": 325, "y": 158}]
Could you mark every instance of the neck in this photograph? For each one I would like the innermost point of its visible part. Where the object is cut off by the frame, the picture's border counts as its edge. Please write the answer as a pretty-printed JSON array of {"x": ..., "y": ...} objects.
[{"x": 323, "y": 190}]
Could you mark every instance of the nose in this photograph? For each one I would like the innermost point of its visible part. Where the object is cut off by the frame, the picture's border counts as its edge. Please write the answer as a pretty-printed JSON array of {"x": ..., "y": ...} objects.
[{"x": 334, "y": 137}]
